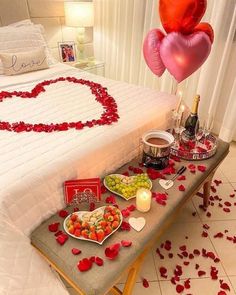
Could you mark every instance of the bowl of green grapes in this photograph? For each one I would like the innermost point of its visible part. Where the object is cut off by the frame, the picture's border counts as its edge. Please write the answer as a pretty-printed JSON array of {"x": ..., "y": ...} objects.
[{"x": 127, "y": 186}]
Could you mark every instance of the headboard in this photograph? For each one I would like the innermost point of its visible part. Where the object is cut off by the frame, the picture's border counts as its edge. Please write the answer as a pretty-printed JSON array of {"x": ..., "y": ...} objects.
[{"x": 49, "y": 13}]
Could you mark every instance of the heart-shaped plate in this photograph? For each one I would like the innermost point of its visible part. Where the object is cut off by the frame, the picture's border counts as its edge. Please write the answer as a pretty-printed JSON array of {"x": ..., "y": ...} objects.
[
  {"x": 126, "y": 181},
  {"x": 137, "y": 223},
  {"x": 95, "y": 226}
]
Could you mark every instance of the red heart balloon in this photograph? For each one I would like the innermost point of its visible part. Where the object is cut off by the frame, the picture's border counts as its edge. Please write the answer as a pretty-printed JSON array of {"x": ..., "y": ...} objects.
[
  {"x": 181, "y": 15},
  {"x": 206, "y": 28}
]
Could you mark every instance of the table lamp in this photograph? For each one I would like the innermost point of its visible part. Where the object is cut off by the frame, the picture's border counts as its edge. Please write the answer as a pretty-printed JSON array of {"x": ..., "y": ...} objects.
[{"x": 79, "y": 15}]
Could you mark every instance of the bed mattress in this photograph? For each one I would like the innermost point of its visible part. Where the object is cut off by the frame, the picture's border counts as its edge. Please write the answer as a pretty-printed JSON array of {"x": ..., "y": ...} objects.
[{"x": 35, "y": 165}]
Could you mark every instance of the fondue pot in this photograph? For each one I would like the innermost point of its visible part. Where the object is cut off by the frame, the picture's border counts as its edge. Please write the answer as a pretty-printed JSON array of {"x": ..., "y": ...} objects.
[{"x": 156, "y": 148}]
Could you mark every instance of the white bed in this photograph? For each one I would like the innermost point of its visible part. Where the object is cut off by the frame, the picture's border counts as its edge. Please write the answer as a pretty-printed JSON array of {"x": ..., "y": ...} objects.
[{"x": 35, "y": 165}]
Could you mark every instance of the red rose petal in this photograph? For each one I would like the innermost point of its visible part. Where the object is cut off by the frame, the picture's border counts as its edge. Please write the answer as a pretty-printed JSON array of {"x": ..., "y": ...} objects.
[
  {"x": 197, "y": 266},
  {"x": 92, "y": 259},
  {"x": 145, "y": 283},
  {"x": 163, "y": 272},
  {"x": 183, "y": 248},
  {"x": 217, "y": 182},
  {"x": 167, "y": 245},
  {"x": 126, "y": 243},
  {"x": 228, "y": 204},
  {"x": 219, "y": 235},
  {"x": 103, "y": 189},
  {"x": 186, "y": 263},
  {"x": 232, "y": 195},
  {"x": 131, "y": 208},
  {"x": 201, "y": 168},
  {"x": 181, "y": 177},
  {"x": 62, "y": 238},
  {"x": 204, "y": 234},
  {"x": 221, "y": 293},
  {"x": 187, "y": 284},
  {"x": 125, "y": 213},
  {"x": 111, "y": 199},
  {"x": 179, "y": 288},
  {"x": 99, "y": 261},
  {"x": 181, "y": 188},
  {"x": 201, "y": 273},
  {"x": 84, "y": 264},
  {"x": 214, "y": 273},
  {"x": 191, "y": 166},
  {"x": 76, "y": 209},
  {"x": 206, "y": 226},
  {"x": 125, "y": 226},
  {"x": 111, "y": 253},
  {"x": 208, "y": 214},
  {"x": 63, "y": 213},
  {"x": 159, "y": 253},
  {"x": 58, "y": 233},
  {"x": 75, "y": 251},
  {"x": 227, "y": 210},
  {"x": 224, "y": 286},
  {"x": 53, "y": 227},
  {"x": 126, "y": 173},
  {"x": 196, "y": 252}
]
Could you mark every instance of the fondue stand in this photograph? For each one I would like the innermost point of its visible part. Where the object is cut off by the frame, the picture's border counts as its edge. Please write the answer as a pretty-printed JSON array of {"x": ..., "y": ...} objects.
[{"x": 99, "y": 281}]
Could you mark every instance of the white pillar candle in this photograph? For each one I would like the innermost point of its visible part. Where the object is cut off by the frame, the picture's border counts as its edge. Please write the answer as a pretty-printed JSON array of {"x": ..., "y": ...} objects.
[{"x": 143, "y": 200}]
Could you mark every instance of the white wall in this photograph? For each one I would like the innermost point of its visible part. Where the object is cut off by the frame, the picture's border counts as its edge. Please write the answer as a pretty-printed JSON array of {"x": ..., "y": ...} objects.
[{"x": 49, "y": 13}]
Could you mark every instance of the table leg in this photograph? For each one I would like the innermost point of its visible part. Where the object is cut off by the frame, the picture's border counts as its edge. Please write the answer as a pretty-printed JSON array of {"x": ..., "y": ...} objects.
[
  {"x": 207, "y": 191},
  {"x": 131, "y": 278}
]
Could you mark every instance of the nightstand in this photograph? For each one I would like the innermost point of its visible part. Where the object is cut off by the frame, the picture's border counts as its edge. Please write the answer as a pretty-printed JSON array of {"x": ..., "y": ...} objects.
[{"x": 94, "y": 66}]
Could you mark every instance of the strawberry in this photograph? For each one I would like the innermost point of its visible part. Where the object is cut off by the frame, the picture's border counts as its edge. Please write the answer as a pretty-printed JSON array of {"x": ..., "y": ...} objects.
[
  {"x": 77, "y": 225},
  {"x": 85, "y": 233},
  {"x": 115, "y": 224},
  {"x": 71, "y": 229},
  {"x": 92, "y": 236},
  {"x": 116, "y": 217},
  {"x": 100, "y": 235},
  {"x": 103, "y": 223},
  {"x": 73, "y": 217},
  {"x": 85, "y": 224},
  {"x": 108, "y": 230},
  {"x": 110, "y": 218},
  {"x": 106, "y": 216},
  {"x": 113, "y": 212},
  {"x": 92, "y": 228},
  {"x": 77, "y": 233}
]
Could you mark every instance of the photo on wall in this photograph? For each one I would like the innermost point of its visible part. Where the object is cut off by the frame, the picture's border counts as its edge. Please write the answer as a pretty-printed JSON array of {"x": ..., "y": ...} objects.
[{"x": 67, "y": 51}]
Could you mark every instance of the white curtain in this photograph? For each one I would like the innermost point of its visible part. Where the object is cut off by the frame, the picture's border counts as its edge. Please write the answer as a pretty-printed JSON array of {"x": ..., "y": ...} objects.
[{"x": 120, "y": 28}]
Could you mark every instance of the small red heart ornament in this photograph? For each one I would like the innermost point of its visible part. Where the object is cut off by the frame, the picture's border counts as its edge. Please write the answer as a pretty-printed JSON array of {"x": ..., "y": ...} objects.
[
  {"x": 181, "y": 15},
  {"x": 183, "y": 55}
]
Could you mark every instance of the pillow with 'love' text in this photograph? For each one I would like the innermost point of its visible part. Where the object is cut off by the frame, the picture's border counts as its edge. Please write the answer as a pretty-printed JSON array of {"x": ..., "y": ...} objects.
[{"x": 22, "y": 62}]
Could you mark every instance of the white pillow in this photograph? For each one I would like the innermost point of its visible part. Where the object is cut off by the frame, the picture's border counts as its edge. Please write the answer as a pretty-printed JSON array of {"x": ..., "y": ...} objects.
[
  {"x": 26, "y": 38},
  {"x": 22, "y": 62},
  {"x": 25, "y": 22}
]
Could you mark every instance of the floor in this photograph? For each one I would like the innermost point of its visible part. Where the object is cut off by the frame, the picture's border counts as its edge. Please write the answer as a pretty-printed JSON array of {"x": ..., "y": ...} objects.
[{"x": 196, "y": 229}]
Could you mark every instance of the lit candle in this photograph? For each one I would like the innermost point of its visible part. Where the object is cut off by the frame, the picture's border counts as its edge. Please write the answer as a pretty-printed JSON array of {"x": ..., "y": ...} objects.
[
  {"x": 180, "y": 94},
  {"x": 143, "y": 200},
  {"x": 182, "y": 108}
]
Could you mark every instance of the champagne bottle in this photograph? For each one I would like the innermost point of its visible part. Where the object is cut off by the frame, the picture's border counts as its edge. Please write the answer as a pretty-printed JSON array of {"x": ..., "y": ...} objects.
[{"x": 192, "y": 122}]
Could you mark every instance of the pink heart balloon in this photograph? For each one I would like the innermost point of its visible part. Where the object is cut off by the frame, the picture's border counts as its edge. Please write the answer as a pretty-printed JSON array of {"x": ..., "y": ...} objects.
[
  {"x": 151, "y": 51},
  {"x": 183, "y": 55}
]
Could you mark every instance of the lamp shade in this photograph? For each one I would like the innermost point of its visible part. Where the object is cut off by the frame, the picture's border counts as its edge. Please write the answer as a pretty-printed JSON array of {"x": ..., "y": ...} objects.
[{"x": 79, "y": 14}]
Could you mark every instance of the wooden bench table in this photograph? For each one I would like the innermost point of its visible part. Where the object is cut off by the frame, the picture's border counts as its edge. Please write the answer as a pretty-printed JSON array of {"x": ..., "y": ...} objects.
[{"x": 99, "y": 280}]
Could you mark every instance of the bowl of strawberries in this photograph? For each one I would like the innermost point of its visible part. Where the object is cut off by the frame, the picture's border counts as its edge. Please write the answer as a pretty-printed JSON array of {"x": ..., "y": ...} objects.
[{"x": 95, "y": 226}]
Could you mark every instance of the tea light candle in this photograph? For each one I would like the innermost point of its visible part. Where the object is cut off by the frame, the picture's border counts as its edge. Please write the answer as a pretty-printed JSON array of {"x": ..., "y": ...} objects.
[{"x": 143, "y": 200}]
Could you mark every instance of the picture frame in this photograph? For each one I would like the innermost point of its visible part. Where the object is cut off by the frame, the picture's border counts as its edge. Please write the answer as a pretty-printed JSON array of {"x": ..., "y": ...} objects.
[{"x": 67, "y": 51}]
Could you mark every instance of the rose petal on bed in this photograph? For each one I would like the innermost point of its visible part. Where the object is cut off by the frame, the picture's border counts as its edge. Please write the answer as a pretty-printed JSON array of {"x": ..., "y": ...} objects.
[
  {"x": 196, "y": 252},
  {"x": 99, "y": 261},
  {"x": 208, "y": 214},
  {"x": 54, "y": 227},
  {"x": 232, "y": 195},
  {"x": 163, "y": 272},
  {"x": 63, "y": 213},
  {"x": 217, "y": 182},
  {"x": 145, "y": 283},
  {"x": 175, "y": 158},
  {"x": 159, "y": 253},
  {"x": 228, "y": 204},
  {"x": 187, "y": 284},
  {"x": 221, "y": 293},
  {"x": 75, "y": 251},
  {"x": 126, "y": 243},
  {"x": 183, "y": 248},
  {"x": 204, "y": 234},
  {"x": 84, "y": 264},
  {"x": 214, "y": 273},
  {"x": 58, "y": 233},
  {"x": 201, "y": 168},
  {"x": 111, "y": 252},
  {"x": 197, "y": 266},
  {"x": 191, "y": 166},
  {"x": 181, "y": 188},
  {"x": 213, "y": 189}
]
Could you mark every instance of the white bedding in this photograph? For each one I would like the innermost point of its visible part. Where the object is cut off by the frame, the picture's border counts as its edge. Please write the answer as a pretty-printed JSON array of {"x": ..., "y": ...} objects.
[{"x": 35, "y": 165}]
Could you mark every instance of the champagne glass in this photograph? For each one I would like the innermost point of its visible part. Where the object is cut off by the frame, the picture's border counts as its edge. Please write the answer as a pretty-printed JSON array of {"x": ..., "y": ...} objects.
[
  {"x": 207, "y": 126},
  {"x": 198, "y": 136}
]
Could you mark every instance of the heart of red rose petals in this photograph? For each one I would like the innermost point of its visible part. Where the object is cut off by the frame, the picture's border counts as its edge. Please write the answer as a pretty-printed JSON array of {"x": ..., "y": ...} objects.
[
  {"x": 84, "y": 264},
  {"x": 53, "y": 227}
]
